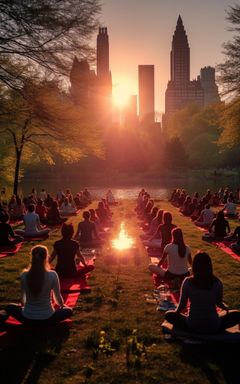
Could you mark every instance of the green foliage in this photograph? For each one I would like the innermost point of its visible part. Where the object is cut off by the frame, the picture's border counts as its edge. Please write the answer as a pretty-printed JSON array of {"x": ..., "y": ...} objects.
[
  {"x": 229, "y": 75},
  {"x": 135, "y": 350},
  {"x": 198, "y": 131},
  {"x": 42, "y": 122},
  {"x": 43, "y": 34},
  {"x": 230, "y": 120},
  {"x": 174, "y": 154},
  {"x": 99, "y": 342}
]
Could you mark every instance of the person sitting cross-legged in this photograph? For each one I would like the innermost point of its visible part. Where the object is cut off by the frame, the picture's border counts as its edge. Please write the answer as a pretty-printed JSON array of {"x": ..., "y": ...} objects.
[
  {"x": 68, "y": 253},
  {"x": 39, "y": 284},
  {"x": 230, "y": 208},
  {"x": 178, "y": 256},
  {"x": 8, "y": 238},
  {"x": 87, "y": 233},
  {"x": 219, "y": 227},
  {"x": 33, "y": 227},
  {"x": 204, "y": 291},
  {"x": 235, "y": 236},
  {"x": 163, "y": 234},
  {"x": 206, "y": 217}
]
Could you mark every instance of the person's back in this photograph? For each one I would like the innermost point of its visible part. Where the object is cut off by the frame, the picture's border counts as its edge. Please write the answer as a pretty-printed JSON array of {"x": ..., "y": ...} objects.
[
  {"x": 203, "y": 315},
  {"x": 53, "y": 214},
  {"x": 31, "y": 221},
  {"x": 5, "y": 232},
  {"x": 66, "y": 250},
  {"x": 165, "y": 231},
  {"x": 39, "y": 307},
  {"x": 177, "y": 265},
  {"x": 207, "y": 215},
  {"x": 86, "y": 230},
  {"x": 230, "y": 208},
  {"x": 220, "y": 227}
]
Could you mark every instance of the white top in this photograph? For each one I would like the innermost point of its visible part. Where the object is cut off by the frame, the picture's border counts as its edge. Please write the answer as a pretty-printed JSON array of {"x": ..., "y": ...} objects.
[
  {"x": 41, "y": 307},
  {"x": 230, "y": 208},
  {"x": 176, "y": 264},
  {"x": 31, "y": 221}
]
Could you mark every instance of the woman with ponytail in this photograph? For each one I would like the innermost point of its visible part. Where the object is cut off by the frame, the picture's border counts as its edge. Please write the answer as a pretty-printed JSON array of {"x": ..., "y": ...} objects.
[
  {"x": 38, "y": 283},
  {"x": 178, "y": 257}
]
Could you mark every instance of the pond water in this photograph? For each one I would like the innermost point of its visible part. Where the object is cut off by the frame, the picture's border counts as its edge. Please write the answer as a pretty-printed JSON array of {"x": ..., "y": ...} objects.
[{"x": 160, "y": 190}]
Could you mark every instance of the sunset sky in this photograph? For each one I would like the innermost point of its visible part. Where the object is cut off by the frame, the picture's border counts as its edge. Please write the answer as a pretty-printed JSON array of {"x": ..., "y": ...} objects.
[{"x": 140, "y": 32}]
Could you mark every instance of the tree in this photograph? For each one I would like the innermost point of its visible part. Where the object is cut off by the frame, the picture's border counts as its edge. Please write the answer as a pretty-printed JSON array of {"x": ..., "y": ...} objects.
[
  {"x": 45, "y": 33},
  {"x": 42, "y": 122},
  {"x": 174, "y": 154},
  {"x": 229, "y": 74},
  {"x": 199, "y": 130},
  {"x": 230, "y": 120}
]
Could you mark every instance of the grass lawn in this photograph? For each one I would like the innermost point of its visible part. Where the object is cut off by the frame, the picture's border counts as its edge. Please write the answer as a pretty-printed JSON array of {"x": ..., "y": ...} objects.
[{"x": 116, "y": 305}]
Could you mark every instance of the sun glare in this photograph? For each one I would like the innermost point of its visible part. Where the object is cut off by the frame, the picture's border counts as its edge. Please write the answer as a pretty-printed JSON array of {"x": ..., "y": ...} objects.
[
  {"x": 123, "y": 241},
  {"x": 121, "y": 94}
]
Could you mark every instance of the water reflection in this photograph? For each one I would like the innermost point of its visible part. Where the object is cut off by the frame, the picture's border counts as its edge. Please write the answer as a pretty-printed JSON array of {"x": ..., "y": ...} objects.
[{"x": 160, "y": 190}]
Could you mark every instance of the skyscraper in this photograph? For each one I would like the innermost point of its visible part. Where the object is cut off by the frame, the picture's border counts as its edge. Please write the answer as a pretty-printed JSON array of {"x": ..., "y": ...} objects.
[
  {"x": 180, "y": 90},
  {"x": 146, "y": 92},
  {"x": 207, "y": 78},
  {"x": 90, "y": 89},
  {"x": 104, "y": 78},
  {"x": 102, "y": 53}
]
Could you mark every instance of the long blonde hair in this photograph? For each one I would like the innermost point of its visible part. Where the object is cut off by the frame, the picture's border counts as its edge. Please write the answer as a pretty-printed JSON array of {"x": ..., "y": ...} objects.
[{"x": 36, "y": 270}]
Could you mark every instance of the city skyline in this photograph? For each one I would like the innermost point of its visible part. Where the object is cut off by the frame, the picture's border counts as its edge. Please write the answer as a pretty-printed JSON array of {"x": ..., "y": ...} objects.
[{"x": 136, "y": 30}]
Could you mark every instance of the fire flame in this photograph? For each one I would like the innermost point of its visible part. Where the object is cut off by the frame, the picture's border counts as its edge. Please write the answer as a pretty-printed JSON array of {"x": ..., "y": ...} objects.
[{"x": 123, "y": 241}]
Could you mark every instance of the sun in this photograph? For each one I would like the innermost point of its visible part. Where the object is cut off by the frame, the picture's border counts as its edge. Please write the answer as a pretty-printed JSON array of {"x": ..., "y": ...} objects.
[{"x": 121, "y": 95}]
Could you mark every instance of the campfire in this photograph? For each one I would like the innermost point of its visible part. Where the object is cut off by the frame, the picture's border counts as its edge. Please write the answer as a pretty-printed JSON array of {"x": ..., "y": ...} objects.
[{"x": 123, "y": 241}]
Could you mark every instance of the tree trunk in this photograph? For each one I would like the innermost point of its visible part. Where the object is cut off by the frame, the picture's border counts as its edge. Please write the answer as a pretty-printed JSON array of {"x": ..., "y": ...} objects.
[{"x": 16, "y": 173}]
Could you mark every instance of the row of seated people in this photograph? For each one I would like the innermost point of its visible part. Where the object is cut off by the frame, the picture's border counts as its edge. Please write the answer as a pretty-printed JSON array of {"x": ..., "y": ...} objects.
[
  {"x": 193, "y": 207},
  {"x": 67, "y": 204},
  {"x": 202, "y": 288},
  {"x": 178, "y": 197},
  {"x": 39, "y": 282},
  {"x": 93, "y": 228}
]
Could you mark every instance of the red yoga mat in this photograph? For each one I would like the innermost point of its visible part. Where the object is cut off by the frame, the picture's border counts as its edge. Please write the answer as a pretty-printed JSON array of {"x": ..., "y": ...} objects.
[
  {"x": 35, "y": 238},
  {"x": 225, "y": 247},
  {"x": 7, "y": 251}
]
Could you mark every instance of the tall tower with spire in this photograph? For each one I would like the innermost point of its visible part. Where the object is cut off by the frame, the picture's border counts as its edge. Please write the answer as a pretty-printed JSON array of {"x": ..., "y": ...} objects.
[
  {"x": 180, "y": 55},
  {"x": 180, "y": 90},
  {"x": 102, "y": 52}
]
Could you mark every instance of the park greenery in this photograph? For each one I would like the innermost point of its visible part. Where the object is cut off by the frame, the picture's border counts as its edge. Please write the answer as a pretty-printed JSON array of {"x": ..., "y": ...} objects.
[
  {"x": 116, "y": 335},
  {"x": 38, "y": 119},
  {"x": 40, "y": 123}
]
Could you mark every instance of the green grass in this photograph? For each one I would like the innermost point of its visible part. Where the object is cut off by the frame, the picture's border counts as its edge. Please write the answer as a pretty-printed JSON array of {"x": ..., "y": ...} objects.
[{"x": 116, "y": 306}]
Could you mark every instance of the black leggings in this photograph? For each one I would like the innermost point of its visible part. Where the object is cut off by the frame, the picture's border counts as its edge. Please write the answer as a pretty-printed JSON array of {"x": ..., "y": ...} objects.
[
  {"x": 228, "y": 320},
  {"x": 15, "y": 310}
]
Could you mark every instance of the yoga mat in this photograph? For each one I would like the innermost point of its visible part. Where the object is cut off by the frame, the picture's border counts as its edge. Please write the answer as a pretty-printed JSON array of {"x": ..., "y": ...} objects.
[
  {"x": 225, "y": 247},
  {"x": 70, "y": 214},
  {"x": 35, "y": 238},
  {"x": 12, "y": 329},
  {"x": 7, "y": 251},
  {"x": 231, "y": 335},
  {"x": 15, "y": 223}
]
